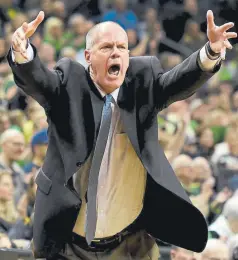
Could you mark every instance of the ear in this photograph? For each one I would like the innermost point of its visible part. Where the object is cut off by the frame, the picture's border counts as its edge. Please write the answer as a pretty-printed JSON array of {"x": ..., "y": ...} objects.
[{"x": 87, "y": 55}]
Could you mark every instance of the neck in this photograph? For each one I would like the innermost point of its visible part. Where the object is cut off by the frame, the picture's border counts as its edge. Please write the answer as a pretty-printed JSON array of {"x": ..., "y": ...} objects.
[{"x": 5, "y": 161}]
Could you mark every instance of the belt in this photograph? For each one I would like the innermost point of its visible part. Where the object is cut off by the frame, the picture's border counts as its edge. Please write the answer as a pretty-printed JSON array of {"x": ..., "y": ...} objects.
[{"x": 108, "y": 243}]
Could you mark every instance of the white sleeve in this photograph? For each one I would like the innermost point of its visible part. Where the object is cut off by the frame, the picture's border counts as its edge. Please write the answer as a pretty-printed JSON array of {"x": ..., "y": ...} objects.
[
  {"x": 206, "y": 62},
  {"x": 18, "y": 58}
]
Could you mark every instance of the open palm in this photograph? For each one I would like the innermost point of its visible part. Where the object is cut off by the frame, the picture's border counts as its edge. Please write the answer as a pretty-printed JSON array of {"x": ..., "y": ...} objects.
[{"x": 218, "y": 35}]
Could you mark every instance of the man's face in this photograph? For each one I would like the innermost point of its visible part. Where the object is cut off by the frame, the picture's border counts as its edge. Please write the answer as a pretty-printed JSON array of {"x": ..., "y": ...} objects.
[
  {"x": 13, "y": 148},
  {"x": 109, "y": 57},
  {"x": 181, "y": 254}
]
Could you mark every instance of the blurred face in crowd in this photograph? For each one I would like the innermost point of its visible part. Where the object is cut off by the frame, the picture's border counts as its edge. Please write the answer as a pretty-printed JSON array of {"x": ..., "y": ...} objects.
[
  {"x": 40, "y": 151},
  {"x": 151, "y": 16},
  {"x": 108, "y": 57},
  {"x": 47, "y": 6},
  {"x": 120, "y": 5},
  {"x": 47, "y": 53},
  {"x": 206, "y": 138},
  {"x": 56, "y": 31},
  {"x": 185, "y": 174},
  {"x": 78, "y": 25},
  {"x": 181, "y": 254},
  {"x": 201, "y": 171},
  {"x": 193, "y": 29},
  {"x": 13, "y": 147},
  {"x": 6, "y": 187},
  {"x": 132, "y": 38},
  {"x": 59, "y": 9}
]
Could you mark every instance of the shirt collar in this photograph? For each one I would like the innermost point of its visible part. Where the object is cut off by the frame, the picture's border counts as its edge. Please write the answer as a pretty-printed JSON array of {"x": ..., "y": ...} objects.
[{"x": 103, "y": 93}]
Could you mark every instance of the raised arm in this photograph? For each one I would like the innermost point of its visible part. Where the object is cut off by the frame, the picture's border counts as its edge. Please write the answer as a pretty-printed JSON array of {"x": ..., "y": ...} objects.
[
  {"x": 30, "y": 74},
  {"x": 184, "y": 79}
]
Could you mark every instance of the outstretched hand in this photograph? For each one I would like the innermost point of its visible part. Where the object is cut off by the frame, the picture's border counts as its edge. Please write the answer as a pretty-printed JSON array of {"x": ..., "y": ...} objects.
[
  {"x": 21, "y": 35},
  {"x": 218, "y": 35}
]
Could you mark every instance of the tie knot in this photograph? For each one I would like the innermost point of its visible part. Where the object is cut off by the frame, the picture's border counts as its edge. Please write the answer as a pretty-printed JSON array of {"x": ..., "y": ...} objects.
[{"x": 108, "y": 99}]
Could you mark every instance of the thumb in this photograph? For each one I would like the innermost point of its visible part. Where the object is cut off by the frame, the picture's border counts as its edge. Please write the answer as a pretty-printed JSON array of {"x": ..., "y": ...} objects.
[{"x": 38, "y": 20}]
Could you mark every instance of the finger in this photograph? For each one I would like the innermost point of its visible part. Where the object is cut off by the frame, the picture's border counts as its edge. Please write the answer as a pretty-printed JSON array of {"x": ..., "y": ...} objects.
[
  {"x": 20, "y": 35},
  {"x": 227, "y": 44},
  {"x": 226, "y": 27},
  {"x": 210, "y": 20},
  {"x": 229, "y": 35},
  {"x": 223, "y": 53},
  {"x": 38, "y": 20}
]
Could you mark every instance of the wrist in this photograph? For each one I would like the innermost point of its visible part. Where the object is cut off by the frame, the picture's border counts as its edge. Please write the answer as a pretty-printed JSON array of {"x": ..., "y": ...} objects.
[{"x": 210, "y": 52}]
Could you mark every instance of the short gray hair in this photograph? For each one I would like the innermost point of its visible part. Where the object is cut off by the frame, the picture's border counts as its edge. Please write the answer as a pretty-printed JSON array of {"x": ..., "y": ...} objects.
[{"x": 90, "y": 37}]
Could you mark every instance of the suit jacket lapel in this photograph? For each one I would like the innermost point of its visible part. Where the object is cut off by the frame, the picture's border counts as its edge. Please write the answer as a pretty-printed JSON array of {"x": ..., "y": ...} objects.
[
  {"x": 127, "y": 104},
  {"x": 97, "y": 105}
]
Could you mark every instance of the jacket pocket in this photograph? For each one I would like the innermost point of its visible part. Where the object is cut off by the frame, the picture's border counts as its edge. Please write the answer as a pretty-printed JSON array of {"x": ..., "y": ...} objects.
[{"x": 43, "y": 182}]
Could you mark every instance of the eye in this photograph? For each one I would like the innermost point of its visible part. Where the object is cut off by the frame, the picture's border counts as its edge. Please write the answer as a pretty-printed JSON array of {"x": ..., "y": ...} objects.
[
  {"x": 106, "y": 47},
  {"x": 122, "y": 47}
]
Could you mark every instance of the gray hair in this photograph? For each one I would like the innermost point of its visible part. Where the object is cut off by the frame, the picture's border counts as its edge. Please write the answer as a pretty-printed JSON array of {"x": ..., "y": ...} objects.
[
  {"x": 230, "y": 209},
  {"x": 74, "y": 18},
  {"x": 9, "y": 134},
  {"x": 90, "y": 37}
]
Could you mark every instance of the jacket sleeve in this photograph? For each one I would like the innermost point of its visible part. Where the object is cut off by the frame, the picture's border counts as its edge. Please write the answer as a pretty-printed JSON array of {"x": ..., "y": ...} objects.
[
  {"x": 180, "y": 82},
  {"x": 36, "y": 80}
]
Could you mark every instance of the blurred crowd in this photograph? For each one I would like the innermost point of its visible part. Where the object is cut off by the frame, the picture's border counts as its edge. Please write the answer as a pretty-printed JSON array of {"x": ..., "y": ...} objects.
[{"x": 199, "y": 135}]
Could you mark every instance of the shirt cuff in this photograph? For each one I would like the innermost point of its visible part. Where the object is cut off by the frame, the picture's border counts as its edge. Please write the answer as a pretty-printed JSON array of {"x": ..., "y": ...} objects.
[
  {"x": 18, "y": 58},
  {"x": 206, "y": 63}
]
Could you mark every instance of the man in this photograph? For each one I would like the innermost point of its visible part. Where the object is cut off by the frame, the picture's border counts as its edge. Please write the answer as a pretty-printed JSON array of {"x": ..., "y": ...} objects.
[
  {"x": 13, "y": 144},
  {"x": 215, "y": 249},
  {"x": 106, "y": 189},
  {"x": 226, "y": 225}
]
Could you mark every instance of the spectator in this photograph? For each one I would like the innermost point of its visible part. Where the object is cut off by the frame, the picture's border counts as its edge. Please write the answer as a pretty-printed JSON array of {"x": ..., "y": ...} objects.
[
  {"x": 47, "y": 54},
  {"x": 182, "y": 166},
  {"x": 121, "y": 15},
  {"x": 12, "y": 143},
  {"x": 226, "y": 225},
  {"x": 8, "y": 211},
  {"x": 193, "y": 37},
  {"x": 54, "y": 34},
  {"x": 78, "y": 29}
]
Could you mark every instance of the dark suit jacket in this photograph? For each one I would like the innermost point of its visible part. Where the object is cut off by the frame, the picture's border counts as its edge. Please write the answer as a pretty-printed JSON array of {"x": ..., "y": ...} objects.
[{"x": 73, "y": 106}]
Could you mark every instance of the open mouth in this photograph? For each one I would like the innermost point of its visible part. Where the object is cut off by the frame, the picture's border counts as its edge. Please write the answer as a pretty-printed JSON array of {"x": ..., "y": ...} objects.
[{"x": 114, "y": 69}]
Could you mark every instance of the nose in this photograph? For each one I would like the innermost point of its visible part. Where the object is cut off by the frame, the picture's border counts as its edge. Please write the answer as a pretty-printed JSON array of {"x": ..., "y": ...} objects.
[{"x": 115, "y": 52}]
